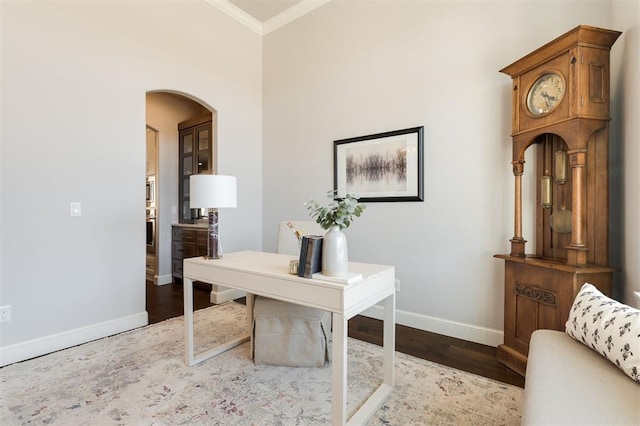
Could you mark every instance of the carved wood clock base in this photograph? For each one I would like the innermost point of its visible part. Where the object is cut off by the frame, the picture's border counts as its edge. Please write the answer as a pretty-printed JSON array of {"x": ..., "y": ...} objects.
[
  {"x": 539, "y": 294},
  {"x": 512, "y": 359}
]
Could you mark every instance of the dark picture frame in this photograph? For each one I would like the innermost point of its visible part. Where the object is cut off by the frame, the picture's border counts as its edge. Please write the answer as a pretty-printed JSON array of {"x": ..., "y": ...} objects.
[{"x": 380, "y": 167}]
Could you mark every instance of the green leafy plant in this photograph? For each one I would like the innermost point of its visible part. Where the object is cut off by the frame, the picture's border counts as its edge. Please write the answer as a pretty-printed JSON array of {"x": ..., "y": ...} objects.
[{"x": 339, "y": 212}]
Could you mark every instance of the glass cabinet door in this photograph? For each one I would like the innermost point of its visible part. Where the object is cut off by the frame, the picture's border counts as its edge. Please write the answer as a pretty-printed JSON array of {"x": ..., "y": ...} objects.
[
  {"x": 204, "y": 148},
  {"x": 195, "y": 157},
  {"x": 186, "y": 153},
  {"x": 186, "y": 170}
]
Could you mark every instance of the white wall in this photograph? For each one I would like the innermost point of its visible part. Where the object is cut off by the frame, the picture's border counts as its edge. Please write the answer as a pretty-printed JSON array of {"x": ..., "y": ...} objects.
[
  {"x": 356, "y": 68},
  {"x": 625, "y": 157},
  {"x": 73, "y": 84}
]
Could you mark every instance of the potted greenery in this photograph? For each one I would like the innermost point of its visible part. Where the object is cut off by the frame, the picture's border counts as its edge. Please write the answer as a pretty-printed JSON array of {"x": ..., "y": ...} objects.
[{"x": 335, "y": 217}]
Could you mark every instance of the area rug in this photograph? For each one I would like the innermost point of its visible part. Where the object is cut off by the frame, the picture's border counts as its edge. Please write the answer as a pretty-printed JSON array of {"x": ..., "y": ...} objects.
[{"x": 139, "y": 378}]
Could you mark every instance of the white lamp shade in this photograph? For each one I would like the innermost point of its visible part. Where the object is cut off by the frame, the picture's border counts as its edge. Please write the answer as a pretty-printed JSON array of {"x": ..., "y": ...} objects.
[{"x": 212, "y": 191}]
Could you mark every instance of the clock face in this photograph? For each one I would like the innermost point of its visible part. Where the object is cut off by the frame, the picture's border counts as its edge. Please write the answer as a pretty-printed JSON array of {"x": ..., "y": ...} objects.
[{"x": 545, "y": 94}]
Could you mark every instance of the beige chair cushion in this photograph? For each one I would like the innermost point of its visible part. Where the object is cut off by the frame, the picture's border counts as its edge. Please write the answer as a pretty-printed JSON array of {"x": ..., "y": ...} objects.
[
  {"x": 284, "y": 333},
  {"x": 290, "y": 335}
]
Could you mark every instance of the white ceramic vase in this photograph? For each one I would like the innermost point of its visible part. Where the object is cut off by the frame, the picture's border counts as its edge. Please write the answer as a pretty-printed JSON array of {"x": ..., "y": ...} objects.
[{"x": 335, "y": 261}]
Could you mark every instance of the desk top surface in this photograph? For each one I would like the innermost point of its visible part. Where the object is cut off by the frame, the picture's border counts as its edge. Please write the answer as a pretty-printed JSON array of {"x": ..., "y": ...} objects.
[{"x": 277, "y": 265}]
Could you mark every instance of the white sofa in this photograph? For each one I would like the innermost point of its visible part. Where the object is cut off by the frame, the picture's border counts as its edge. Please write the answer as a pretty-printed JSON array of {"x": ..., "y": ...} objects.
[{"x": 567, "y": 383}]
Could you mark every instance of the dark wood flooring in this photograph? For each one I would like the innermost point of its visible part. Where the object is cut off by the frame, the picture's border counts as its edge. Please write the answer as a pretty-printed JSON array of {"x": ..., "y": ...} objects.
[{"x": 164, "y": 302}]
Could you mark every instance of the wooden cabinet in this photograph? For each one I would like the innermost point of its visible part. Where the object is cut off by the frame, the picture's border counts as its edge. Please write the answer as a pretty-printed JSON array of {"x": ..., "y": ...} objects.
[
  {"x": 186, "y": 241},
  {"x": 151, "y": 267},
  {"x": 538, "y": 295},
  {"x": 152, "y": 151},
  {"x": 195, "y": 156}
]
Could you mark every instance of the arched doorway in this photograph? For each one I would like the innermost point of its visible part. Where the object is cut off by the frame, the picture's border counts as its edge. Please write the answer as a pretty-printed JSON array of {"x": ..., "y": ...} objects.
[{"x": 165, "y": 110}]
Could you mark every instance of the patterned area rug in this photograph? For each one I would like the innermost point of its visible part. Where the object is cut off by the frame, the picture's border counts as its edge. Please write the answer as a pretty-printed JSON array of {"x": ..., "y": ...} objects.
[{"x": 139, "y": 378}]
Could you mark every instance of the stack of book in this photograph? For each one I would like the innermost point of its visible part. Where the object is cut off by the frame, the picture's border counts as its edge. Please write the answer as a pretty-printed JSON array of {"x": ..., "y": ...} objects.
[{"x": 310, "y": 255}]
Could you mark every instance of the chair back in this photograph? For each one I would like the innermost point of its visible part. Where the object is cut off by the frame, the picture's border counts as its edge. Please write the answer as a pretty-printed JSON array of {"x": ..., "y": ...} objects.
[{"x": 287, "y": 240}]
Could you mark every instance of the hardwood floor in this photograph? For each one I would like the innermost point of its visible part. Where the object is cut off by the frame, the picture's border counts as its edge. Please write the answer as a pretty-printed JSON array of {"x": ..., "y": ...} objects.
[{"x": 166, "y": 301}]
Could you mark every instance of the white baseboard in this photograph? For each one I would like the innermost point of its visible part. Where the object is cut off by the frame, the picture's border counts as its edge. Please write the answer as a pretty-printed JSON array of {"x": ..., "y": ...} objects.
[
  {"x": 44, "y": 345},
  {"x": 164, "y": 279},
  {"x": 472, "y": 333},
  {"x": 221, "y": 294}
]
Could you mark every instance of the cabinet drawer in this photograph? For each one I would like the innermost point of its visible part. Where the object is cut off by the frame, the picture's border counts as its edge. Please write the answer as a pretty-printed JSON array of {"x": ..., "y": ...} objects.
[
  {"x": 201, "y": 249},
  {"x": 183, "y": 234},
  {"x": 189, "y": 250},
  {"x": 188, "y": 235},
  {"x": 201, "y": 236},
  {"x": 182, "y": 251},
  {"x": 176, "y": 267},
  {"x": 176, "y": 233},
  {"x": 177, "y": 250}
]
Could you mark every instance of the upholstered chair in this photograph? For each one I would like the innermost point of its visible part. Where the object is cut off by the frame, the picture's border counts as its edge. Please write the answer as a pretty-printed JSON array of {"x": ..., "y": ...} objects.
[{"x": 284, "y": 333}]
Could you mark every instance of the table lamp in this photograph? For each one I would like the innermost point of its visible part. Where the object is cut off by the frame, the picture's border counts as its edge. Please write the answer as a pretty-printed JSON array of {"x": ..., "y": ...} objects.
[{"x": 212, "y": 192}]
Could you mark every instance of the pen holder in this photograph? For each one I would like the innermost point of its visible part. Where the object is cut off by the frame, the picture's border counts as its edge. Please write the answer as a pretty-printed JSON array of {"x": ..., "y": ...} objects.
[{"x": 293, "y": 266}]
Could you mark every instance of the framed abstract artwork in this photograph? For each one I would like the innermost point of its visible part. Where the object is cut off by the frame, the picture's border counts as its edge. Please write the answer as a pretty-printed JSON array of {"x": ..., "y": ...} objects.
[{"x": 381, "y": 167}]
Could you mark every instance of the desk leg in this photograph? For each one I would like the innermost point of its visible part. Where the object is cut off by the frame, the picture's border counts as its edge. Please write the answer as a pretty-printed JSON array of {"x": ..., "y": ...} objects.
[
  {"x": 380, "y": 395},
  {"x": 188, "y": 320},
  {"x": 339, "y": 371},
  {"x": 189, "y": 357},
  {"x": 389, "y": 339},
  {"x": 250, "y": 300}
]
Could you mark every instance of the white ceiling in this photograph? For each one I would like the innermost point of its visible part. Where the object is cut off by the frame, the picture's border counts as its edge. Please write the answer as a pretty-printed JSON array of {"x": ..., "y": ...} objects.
[{"x": 264, "y": 16}]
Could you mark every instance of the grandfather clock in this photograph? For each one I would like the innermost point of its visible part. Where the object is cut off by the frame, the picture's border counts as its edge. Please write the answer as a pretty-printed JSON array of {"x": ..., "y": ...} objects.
[{"x": 560, "y": 109}]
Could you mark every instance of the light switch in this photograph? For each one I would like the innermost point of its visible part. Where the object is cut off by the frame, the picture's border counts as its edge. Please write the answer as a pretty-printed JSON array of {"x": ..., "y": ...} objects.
[
  {"x": 174, "y": 210},
  {"x": 75, "y": 208}
]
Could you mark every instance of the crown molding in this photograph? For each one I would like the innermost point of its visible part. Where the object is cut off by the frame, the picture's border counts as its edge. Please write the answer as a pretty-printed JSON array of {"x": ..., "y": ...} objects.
[
  {"x": 238, "y": 14},
  {"x": 291, "y": 14},
  {"x": 272, "y": 24}
]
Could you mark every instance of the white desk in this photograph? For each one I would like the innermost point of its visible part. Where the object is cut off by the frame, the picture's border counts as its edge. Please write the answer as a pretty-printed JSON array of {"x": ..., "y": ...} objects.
[{"x": 267, "y": 274}]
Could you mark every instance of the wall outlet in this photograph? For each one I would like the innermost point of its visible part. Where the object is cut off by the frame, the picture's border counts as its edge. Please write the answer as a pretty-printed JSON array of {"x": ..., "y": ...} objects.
[
  {"x": 75, "y": 208},
  {"x": 397, "y": 286},
  {"x": 5, "y": 313}
]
